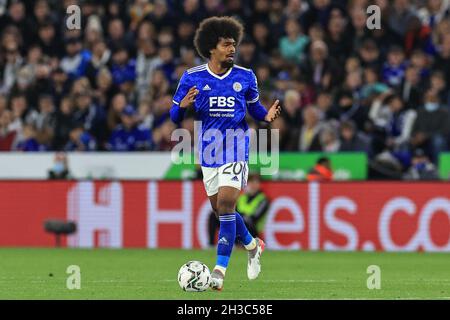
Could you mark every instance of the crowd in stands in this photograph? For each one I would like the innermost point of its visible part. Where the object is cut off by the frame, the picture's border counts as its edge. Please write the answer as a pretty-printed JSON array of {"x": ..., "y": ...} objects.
[{"x": 342, "y": 86}]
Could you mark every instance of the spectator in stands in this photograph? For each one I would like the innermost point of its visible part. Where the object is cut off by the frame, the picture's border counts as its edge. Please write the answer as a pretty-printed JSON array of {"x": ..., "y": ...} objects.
[
  {"x": 291, "y": 106},
  {"x": 48, "y": 40},
  {"x": 319, "y": 12},
  {"x": 28, "y": 141},
  {"x": 310, "y": 132},
  {"x": 21, "y": 114},
  {"x": 104, "y": 88},
  {"x": 439, "y": 86},
  {"x": 372, "y": 86},
  {"x": 146, "y": 64},
  {"x": 101, "y": 58},
  {"x": 357, "y": 27},
  {"x": 80, "y": 140},
  {"x": 420, "y": 60},
  {"x": 63, "y": 123},
  {"x": 129, "y": 136},
  {"x": 90, "y": 114},
  {"x": 319, "y": 69},
  {"x": 395, "y": 66},
  {"x": 123, "y": 69},
  {"x": 442, "y": 59},
  {"x": 339, "y": 43},
  {"x": 248, "y": 56},
  {"x": 44, "y": 120},
  {"x": 159, "y": 85},
  {"x": 329, "y": 140},
  {"x": 263, "y": 37},
  {"x": 42, "y": 14},
  {"x": 433, "y": 12},
  {"x": 167, "y": 66},
  {"x": 118, "y": 103},
  {"x": 349, "y": 109},
  {"x": 162, "y": 136},
  {"x": 351, "y": 139},
  {"x": 59, "y": 85},
  {"x": 118, "y": 36},
  {"x": 369, "y": 54},
  {"x": 399, "y": 123},
  {"x": 293, "y": 45},
  {"x": 421, "y": 168},
  {"x": 410, "y": 90},
  {"x": 76, "y": 60},
  {"x": 7, "y": 136},
  {"x": 12, "y": 62},
  {"x": 400, "y": 16},
  {"x": 324, "y": 103},
  {"x": 145, "y": 114},
  {"x": 431, "y": 128}
]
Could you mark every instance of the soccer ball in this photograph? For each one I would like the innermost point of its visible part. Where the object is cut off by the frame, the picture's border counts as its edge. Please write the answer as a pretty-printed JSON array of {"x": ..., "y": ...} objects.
[{"x": 194, "y": 276}]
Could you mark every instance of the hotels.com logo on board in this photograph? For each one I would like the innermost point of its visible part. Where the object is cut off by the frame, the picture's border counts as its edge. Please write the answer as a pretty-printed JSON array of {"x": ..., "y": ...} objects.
[
  {"x": 384, "y": 216},
  {"x": 344, "y": 216}
]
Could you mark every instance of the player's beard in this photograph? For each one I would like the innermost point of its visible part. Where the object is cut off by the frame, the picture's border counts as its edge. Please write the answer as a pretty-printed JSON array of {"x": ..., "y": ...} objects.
[{"x": 227, "y": 64}]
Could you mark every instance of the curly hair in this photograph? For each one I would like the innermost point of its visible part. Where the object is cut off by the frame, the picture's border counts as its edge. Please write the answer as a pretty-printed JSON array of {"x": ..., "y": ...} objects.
[{"x": 212, "y": 29}]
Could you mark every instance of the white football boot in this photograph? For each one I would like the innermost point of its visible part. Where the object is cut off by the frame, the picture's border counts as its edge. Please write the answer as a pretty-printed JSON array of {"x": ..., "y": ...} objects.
[
  {"x": 254, "y": 260},
  {"x": 216, "y": 282}
]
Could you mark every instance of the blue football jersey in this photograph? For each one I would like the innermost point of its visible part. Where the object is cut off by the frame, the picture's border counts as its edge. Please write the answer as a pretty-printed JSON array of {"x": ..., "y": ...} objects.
[{"x": 221, "y": 106}]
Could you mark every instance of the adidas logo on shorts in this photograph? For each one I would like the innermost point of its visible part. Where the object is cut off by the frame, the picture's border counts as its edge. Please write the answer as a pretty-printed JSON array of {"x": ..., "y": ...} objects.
[{"x": 235, "y": 178}]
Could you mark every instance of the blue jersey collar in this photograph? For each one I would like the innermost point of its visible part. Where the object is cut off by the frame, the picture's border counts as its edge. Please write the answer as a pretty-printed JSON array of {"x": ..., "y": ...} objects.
[{"x": 217, "y": 76}]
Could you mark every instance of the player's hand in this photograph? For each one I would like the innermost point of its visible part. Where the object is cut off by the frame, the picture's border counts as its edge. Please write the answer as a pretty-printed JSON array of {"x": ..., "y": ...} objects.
[
  {"x": 189, "y": 99},
  {"x": 274, "y": 111}
]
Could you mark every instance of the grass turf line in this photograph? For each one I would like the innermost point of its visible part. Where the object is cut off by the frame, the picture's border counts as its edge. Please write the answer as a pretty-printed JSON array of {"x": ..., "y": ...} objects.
[{"x": 151, "y": 274}]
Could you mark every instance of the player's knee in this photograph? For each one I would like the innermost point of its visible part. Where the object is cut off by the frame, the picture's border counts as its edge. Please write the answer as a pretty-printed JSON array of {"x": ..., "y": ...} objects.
[{"x": 225, "y": 206}]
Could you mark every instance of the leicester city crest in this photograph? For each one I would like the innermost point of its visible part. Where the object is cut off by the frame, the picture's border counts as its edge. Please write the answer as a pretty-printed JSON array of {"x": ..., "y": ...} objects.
[{"x": 237, "y": 86}]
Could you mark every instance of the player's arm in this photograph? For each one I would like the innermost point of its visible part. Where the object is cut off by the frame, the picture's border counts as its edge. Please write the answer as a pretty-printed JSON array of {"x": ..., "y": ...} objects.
[
  {"x": 256, "y": 109},
  {"x": 184, "y": 98}
]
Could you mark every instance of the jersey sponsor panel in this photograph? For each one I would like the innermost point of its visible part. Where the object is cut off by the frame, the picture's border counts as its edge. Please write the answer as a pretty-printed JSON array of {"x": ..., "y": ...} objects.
[{"x": 220, "y": 105}]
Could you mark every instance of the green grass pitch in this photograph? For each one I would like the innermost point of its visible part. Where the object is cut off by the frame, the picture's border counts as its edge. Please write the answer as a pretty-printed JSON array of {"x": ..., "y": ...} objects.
[{"x": 151, "y": 274}]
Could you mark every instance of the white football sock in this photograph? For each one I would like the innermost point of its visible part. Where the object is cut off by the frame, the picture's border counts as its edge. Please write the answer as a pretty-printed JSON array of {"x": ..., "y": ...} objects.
[
  {"x": 251, "y": 245},
  {"x": 221, "y": 269}
]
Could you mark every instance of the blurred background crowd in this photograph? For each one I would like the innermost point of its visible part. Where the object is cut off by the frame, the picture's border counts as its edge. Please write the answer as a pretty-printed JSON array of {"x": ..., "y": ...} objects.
[{"x": 343, "y": 87}]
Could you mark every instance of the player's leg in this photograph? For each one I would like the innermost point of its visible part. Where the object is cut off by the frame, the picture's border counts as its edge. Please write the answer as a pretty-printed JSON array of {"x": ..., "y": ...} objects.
[
  {"x": 254, "y": 246},
  {"x": 213, "y": 223},
  {"x": 231, "y": 178},
  {"x": 241, "y": 229},
  {"x": 225, "y": 204},
  {"x": 211, "y": 182},
  {"x": 242, "y": 233},
  {"x": 213, "y": 200}
]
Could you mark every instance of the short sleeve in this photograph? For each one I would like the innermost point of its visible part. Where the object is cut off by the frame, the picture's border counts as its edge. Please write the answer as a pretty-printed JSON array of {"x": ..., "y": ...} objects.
[
  {"x": 182, "y": 89},
  {"x": 252, "y": 94}
]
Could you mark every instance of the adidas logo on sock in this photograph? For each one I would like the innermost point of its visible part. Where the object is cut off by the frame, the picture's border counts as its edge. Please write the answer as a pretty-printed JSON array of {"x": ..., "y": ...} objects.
[
  {"x": 235, "y": 178},
  {"x": 223, "y": 240},
  {"x": 206, "y": 87}
]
